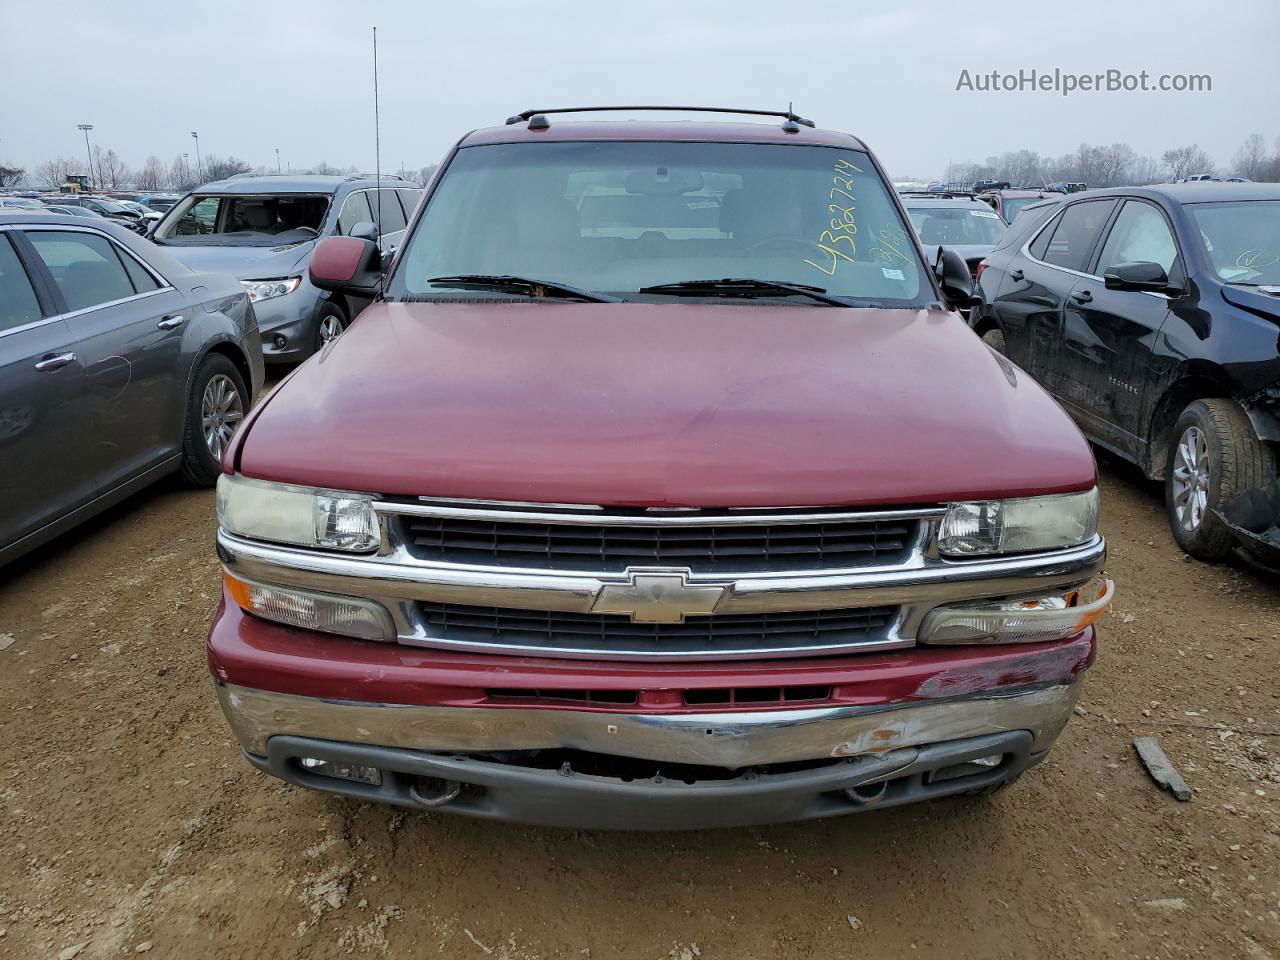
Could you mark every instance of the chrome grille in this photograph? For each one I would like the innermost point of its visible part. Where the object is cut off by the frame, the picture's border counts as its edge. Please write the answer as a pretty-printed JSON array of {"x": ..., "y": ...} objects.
[
  {"x": 590, "y": 634},
  {"x": 719, "y": 547}
]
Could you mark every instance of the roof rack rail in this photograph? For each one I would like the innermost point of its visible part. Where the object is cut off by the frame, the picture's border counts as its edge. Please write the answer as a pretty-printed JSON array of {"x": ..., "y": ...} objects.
[
  {"x": 939, "y": 194},
  {"x": 537, "y": 119},
  {"x": 375, "y": 176}
]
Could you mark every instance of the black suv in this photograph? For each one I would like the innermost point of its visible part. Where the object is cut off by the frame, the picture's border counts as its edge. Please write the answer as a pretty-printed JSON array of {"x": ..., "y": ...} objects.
[{"x": 1152, "y": 314}]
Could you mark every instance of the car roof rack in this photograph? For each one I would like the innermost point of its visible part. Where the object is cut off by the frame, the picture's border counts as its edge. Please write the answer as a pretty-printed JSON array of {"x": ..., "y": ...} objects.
[
  {"x": 537, "y": 119},
  {"x": 939, "y": 194}
]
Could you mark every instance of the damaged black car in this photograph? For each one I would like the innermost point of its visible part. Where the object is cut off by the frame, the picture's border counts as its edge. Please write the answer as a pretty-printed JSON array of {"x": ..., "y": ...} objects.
[{"x": 1153, "y": 315}]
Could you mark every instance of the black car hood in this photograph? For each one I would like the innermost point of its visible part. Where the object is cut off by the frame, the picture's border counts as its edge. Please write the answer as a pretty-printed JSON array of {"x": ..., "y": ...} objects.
[{"x": 1254, "y": 300}]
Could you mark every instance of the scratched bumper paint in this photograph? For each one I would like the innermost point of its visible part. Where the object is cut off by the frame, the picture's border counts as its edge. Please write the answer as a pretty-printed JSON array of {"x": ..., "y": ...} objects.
[{"x": 729, "y": 740}]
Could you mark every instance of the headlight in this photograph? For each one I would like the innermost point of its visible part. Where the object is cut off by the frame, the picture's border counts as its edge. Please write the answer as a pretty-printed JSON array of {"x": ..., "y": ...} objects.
[
  {"x": 267, "y": 289},
  {"x": 1019, "y": 526},
  {"x": 302, "y": 516}
]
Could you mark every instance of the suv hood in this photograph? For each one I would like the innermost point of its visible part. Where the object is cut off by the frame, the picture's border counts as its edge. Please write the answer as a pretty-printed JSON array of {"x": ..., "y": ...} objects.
[
  {"x": 242, "y": 262},
  {"x": 656, "y": 404}
]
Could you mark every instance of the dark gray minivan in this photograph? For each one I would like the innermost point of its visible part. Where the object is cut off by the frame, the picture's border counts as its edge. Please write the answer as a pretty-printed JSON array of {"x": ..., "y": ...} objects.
[{"x": 118, "y": 365}]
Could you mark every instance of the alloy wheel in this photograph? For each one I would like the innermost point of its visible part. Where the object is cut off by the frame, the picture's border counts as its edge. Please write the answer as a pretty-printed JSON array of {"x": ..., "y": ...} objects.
[
  {"x": 221, "y": 411},
  {"x": 1191, "y": 479},
  {"x": 330, "y": 327}
]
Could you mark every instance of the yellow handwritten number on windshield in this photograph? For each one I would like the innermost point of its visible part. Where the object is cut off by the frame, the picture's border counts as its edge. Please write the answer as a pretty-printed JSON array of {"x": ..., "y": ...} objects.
[{"x": 844, "y": 225}]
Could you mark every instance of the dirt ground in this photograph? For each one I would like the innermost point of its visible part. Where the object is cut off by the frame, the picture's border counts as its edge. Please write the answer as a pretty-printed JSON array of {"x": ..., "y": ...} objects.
[{"x": 129, "y": 824}]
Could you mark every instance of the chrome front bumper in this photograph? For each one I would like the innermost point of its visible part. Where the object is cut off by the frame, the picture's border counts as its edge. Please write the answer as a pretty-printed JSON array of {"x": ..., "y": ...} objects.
[
  {"x": 726, "y": 740},
  {"x": 713, "y": 770}
]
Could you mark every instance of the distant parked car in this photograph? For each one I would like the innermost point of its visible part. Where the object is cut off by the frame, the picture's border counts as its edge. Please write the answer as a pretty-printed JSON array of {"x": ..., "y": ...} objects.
[
  {"x": 19, "y": 203},
  {"x": 67, "y": 211},
  {"x": 118, "y": 365},
  {"x": 1152, "y": 314},
  {"x": 111, "y": 209},
  {"x": 1009, "y": 203},
  {"x": 966, "y": 225},
  {"x": 264, "y": 229},
  {"x": 159, "y": 202}
]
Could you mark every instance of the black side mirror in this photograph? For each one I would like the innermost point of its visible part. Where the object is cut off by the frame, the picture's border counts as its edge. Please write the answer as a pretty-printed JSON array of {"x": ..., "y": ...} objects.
[
  {"x": 1139, "y": 275},
  {"x": 365, "y": 230},
  {"x": 955, "y": 279}
]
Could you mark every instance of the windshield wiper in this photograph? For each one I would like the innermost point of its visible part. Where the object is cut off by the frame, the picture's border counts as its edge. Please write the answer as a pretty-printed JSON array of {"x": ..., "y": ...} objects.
[
  {"x": 530, "y": 286},
  {"x": 743, "y": 286}
]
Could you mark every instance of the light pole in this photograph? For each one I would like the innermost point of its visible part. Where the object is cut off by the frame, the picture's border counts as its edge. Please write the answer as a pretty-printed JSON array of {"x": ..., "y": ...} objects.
[
  {"x": 85, "y": 128},
  {"x": 277, "y": 160},
  {"x": 199, "y": 166}
]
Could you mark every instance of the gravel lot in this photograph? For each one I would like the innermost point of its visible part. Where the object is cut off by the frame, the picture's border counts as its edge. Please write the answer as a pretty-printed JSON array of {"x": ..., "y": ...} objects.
[{"x": 130, "y": 824}]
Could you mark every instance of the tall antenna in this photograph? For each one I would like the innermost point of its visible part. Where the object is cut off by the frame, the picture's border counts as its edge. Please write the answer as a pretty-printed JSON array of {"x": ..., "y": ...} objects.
[{"x": 377, "y": 155}]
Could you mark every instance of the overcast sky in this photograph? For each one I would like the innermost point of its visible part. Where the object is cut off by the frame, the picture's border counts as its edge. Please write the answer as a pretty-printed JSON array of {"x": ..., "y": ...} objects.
[{"x": 254, "y": 76}]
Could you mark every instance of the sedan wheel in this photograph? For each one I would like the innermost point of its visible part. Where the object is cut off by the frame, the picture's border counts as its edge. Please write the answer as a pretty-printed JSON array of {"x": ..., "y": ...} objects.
[
  {"x": 1190, "y": 481},
  {"x": 221, "y": 410}
]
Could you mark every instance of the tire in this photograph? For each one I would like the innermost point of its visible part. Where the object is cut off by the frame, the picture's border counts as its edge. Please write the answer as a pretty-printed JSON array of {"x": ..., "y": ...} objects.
[
  {"x": 1213, "y": 455},
  {"x": 331, "y": 315},
  {"x": 215, "y": 407},
  {"x": 994, "y": 338}
]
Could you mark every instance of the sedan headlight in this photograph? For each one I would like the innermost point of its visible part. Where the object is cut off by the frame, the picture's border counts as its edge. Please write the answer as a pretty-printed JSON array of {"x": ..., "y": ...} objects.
[
  {"x": 301, "y": 516},
  {"x": 268, "y": 289},
  {"x": 1019, "y": 526}
]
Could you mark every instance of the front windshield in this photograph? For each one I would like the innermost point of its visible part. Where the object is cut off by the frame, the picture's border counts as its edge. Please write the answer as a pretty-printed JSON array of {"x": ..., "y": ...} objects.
[
  {"x": 612, "y": 217},
  {"x": 251, "y": 220},
  {"x": 1242, "y": 239},
  {"x": 957, "y": 226}
]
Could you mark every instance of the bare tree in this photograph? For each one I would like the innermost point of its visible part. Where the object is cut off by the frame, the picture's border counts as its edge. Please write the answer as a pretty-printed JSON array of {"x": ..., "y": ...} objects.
[
  {"x": 11, "y": 176},
  {"x": 181, "y": 177},
  {"x": 1185, "y": 161},
  {"x": 1252, "y": 157},
  {"x": 216, "y": 168},
  {"x": 1144, "y": 170},
  {"x": 151, "y": 176},
  {"x": 1112, "y": 165},
  {"x": 112, "y": 172},
  {"x": 54, "y": 172},
  {"x": 426, "y": 173}
]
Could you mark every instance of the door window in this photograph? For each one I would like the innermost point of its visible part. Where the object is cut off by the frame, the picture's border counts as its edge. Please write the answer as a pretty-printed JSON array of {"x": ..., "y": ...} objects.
[
  {"x": 355, "y": 210},
  {"x": 84, "y": 266},
  {"x": 410, "y": 200},
  {"x": 143, "y": 282},
  {"x": 1041, "y": 243},
  {"x": 1140, "y": 234},
  {"x": 392, "y": 213},
  {"x": 1076, "y": 233},
  {"x": 18, "y": 304}
]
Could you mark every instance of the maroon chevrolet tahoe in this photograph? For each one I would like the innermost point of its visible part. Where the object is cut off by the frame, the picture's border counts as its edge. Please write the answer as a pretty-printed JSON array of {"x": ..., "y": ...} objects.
[{"x": 660, "y": 487}]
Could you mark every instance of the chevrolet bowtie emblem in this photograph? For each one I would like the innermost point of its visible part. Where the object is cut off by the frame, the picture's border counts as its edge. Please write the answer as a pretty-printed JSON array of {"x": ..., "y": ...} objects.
[{"x": 658, "y": 595}]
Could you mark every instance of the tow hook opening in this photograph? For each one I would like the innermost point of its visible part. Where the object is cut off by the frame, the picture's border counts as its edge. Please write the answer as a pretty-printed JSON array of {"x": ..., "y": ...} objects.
[
  {"x": 434, "y": 792},
  {"x": 866, "y": 794}
]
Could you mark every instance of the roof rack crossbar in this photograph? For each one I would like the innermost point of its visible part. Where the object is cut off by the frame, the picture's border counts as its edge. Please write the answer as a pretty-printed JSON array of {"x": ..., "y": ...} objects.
[{"x": 790, "y": 115}]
